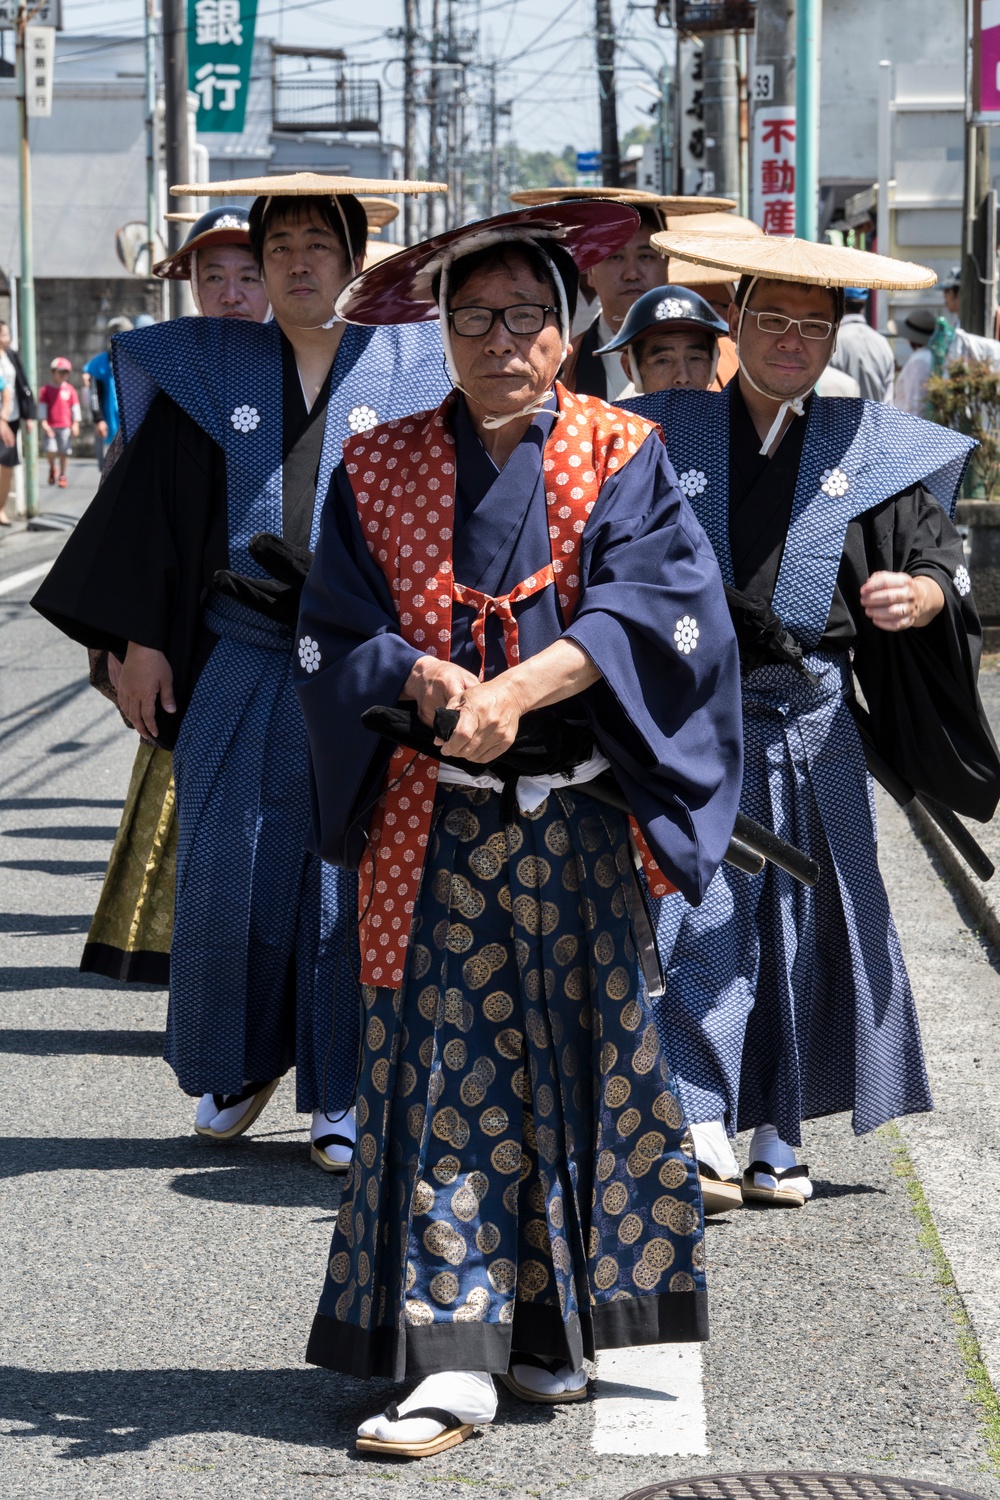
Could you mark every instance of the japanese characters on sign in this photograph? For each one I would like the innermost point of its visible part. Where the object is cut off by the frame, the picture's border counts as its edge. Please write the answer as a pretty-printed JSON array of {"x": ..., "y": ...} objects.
[
  {"x": 39, "y": 66},
  {"x": 692, "y": 130},
  {"x": 48, "y": 13},
  {"x": 220, "y": 54},
  {"x": 774, "y": 168},
  {"x": 986, "y": 61}
]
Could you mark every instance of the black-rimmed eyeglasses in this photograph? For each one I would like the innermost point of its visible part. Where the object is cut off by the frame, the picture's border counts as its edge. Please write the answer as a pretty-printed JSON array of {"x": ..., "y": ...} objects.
[
  {"x": 520, "y": 318},
  {"x": 809, "y": 328}
]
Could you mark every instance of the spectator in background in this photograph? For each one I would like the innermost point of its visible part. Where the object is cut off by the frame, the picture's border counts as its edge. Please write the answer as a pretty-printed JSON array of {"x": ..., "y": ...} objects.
[
  {"x": 59, "y": 410},
  {"x": 862, "y": 351},
  {"x": 911, "y": 382},
  {"x": 99, "y": 382},
  {"x": 952, "y": 290},
  {"x": 19, "y": 405}
]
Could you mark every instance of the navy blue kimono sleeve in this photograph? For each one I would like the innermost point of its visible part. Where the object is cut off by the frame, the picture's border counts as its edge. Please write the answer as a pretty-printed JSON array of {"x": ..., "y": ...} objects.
[
  {"x": 653, "y": 619},
  {"x": 351, "y": 655}
]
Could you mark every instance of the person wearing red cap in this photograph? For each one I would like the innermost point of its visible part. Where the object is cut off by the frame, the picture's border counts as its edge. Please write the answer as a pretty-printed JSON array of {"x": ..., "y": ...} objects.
[
  {"x": 524, "y": 1189},
  {"x": 59, "y": 412}
]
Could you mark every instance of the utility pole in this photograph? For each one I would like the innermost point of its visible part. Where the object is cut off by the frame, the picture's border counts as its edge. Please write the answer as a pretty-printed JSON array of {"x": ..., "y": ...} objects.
[
  {"x": 721, "y": 103},
  {"x": 494, "y": 153},
  {"x": 409, "y": 115},
  {"x": 178, "y": 149},
  {"x": 611, "y": 170},
  {"x": 151, "y": 214},
  {"x": 977, "y": 267},
  {"x": 807, "y": 36},
  {"x": 28, "y": 348},
  {"x": 433, "y": 121}
]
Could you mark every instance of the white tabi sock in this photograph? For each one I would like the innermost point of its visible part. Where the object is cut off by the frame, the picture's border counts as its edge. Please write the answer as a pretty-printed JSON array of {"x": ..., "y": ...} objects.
[
  {"x": 468, "y": 1394},
  {"x": 227, "y": 1118},
  {"x": 331, "y": 1123},
  {"x": 714, "y": 1149},
  {"x": 766, "y": 1145},
  {"x": 206, "y": 1111},
  {"x": 549, "y": 1382}
]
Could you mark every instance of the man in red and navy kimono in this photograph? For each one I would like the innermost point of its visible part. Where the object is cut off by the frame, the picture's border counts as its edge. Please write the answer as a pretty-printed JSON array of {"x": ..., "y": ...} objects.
[{"x": 524, "y": 1191}]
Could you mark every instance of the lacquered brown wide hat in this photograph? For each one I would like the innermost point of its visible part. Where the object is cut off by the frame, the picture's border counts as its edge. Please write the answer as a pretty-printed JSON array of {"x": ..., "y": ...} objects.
[
  {"x": 775, "y": 258},
  {"x": 400, "y": 290}
]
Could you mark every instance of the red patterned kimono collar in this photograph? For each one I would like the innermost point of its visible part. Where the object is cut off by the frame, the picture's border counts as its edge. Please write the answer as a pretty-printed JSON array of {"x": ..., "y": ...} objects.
[{"x": 403, "y": 478}]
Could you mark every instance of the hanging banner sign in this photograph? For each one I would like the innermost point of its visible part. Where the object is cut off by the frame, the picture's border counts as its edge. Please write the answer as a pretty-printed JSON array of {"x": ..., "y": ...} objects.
[
  {"x": 220, "y": 56},
  {"x": 48, "y": 13},
  {"x": 39, "y": 66},
  {"x": 985, "y": 100},
  {"x": 773, "y": 168}
]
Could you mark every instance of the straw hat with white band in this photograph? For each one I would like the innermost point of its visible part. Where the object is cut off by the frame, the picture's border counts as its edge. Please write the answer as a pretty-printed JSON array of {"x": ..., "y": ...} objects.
[
  {"x": 402, "y": 290},
  {"x": 803, "y": 262}
]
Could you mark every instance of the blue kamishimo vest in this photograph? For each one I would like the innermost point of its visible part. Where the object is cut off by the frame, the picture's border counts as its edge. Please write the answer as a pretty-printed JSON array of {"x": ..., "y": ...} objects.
[
  {"x": 856, "y": 454},
  {"x": 226, "y": 375}
]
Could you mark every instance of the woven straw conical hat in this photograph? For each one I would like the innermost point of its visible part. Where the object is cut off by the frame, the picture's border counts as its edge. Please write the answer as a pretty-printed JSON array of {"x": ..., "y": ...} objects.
[
  {"x": 182, "y": 218},
  {"x": 302, "y": 185},
  {"x": 665, "y": 204},
  {"x": 778, "y": 259},
  {"x": 379, "y": 212},
  {"x": 684, "y": 272}
]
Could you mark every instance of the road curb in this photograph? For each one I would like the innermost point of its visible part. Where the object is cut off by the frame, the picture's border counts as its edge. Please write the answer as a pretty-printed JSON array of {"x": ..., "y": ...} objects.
[{"x": 973, "y": 890}]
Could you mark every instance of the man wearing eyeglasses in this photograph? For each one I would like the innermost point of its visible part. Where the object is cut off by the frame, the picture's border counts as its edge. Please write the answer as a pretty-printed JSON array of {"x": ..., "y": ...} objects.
[
  {"x": 830, "y": 517},
  {"x": 520, "y": 557}
]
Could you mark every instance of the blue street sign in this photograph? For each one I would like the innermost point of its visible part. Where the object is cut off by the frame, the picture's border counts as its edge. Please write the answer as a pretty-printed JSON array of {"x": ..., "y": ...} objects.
[{"x": 588, "y": 161}]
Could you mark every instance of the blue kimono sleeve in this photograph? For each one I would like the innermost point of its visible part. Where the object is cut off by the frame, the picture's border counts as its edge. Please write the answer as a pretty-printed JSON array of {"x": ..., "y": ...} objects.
[
  {"x": 350, "y": 656},
  {"x": 653, "y": 619}
]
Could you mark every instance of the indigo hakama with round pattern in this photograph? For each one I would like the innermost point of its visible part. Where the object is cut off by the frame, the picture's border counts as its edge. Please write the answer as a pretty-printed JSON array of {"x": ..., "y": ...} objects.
[{"x": 524, "y": 1179}]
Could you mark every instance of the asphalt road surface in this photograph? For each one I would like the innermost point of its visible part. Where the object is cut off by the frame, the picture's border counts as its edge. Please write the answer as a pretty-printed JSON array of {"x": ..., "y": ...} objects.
[{"x": 156, "y": 1291}]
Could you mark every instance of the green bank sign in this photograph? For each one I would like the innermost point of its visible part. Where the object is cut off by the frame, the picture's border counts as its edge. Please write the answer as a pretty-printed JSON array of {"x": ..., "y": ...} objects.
[{"x": 220, "y": 55}]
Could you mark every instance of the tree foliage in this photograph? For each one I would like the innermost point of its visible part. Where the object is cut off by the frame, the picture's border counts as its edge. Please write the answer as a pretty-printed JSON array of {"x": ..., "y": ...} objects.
[{"x": 967, "y": 399}]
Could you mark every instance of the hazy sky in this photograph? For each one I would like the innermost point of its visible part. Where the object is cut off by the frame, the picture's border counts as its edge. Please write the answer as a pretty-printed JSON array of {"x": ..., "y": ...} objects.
[{"x": 544, "y": 48}]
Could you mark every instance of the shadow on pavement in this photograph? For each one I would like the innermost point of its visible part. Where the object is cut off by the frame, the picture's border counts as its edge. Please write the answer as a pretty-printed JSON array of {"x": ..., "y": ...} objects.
[
  {"x": 82, "y": 1043},
  {"x": 14, "y": 978},
  {"x": 52, "y": 804},
  {"x": 93, "y": 1413},
  {"x": 37, "y": 924},
  {"x": 57, "y": 866},
  {"x": 268, "y": 1173},
  {"x": 103, "y": 832}
]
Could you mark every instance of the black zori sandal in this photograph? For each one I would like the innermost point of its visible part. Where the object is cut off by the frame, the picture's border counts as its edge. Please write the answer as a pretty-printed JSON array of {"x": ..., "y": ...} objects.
[
  {"x": 785, "y": 1195},
  {"x": 318, "y": 1153},
  {"x": 455, "y": 1432}
]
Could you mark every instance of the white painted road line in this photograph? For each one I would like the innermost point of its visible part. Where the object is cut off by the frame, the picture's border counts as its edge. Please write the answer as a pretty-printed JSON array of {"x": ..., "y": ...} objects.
[
  {"x": 650, "y": 1400},
  {"x": 29, "y": 575}
]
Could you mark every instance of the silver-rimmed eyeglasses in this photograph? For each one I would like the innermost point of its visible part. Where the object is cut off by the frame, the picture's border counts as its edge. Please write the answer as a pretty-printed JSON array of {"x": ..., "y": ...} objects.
[
  {"x": 809, "y": 328},
  {"x": 519, "y": 318}
]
